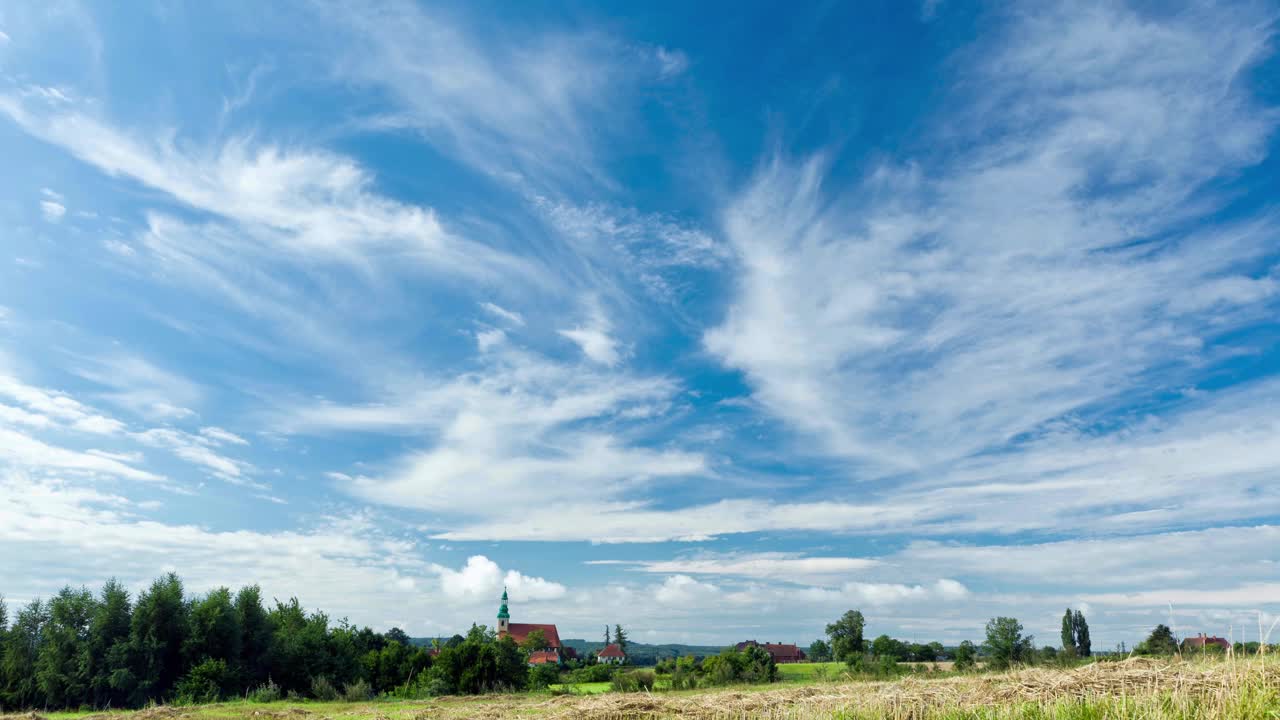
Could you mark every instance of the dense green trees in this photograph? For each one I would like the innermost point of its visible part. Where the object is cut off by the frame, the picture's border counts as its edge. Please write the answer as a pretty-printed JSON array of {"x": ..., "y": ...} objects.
[
  {"x": 819, "y": 651},
  {"x": 1160, "y": 642},
  {"x": 846, "y": 635},
  {"x": 1075, "y": 634},
  {"x": 106, "y": 651},
  {"x": 1006, "y": 645}
]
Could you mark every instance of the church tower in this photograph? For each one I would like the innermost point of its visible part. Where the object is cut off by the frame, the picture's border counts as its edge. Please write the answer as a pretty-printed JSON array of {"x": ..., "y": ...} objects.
[{"x": 504, "y": 617}]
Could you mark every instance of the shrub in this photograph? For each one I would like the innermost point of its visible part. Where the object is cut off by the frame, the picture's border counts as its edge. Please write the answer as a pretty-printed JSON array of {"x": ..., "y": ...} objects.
[
  {"x": 358, "y": 691},
  {"x": 322, "y": 689},
  {"x": 265, "y": 693},
  {"x": 543, "y": 675},
  {"x": 634, "y": 681},
  {"x": 683, "y": 680},
  {"x": 591, "y": 673},
  {"x": 203, "y": 684}
]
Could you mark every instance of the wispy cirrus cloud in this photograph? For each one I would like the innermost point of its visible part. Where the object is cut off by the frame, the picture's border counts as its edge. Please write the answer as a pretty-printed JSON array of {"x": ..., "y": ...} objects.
[{"x": 946, "y": 306}]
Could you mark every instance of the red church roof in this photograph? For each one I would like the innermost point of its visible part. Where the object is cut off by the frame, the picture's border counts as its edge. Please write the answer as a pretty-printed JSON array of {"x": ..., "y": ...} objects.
[
  {"x": 612, "y": 651},
  {"x": 520, "y": 631}
]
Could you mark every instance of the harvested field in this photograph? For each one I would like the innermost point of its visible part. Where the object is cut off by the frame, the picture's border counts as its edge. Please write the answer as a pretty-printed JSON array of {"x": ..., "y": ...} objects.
[{"x": 1136, "y": 688}]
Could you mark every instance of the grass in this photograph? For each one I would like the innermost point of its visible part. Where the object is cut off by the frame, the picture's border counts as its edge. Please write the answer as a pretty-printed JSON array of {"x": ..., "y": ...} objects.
[
  {"x": 810, "y": 672},
  {"x": 1137, "y": 689},
  {"x": 590, "y": 688}
]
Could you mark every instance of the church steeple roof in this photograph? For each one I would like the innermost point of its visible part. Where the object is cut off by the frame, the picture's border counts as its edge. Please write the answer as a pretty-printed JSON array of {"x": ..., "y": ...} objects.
[{"x": 502, "y": 611}]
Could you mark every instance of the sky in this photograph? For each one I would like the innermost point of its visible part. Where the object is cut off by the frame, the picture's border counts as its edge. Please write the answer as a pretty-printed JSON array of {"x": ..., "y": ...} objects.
[{"x": 711, "y": 320}]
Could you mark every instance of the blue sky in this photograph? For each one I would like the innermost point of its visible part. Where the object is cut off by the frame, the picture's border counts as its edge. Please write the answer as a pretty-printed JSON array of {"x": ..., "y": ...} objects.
[{"x": 713, "y": 320}]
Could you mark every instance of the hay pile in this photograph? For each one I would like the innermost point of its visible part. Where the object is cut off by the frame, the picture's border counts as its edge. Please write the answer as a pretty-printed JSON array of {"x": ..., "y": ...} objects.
[{"x": 913, "y": 697}]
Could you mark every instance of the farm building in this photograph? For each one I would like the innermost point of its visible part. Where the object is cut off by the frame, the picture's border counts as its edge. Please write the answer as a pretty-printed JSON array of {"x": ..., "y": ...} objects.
[
  {"x": 780, "y": 652},
  {"x": 554, "y": 652},
  {"x": 1201, "y": 641},
  {"x": 611, "y": 655}
]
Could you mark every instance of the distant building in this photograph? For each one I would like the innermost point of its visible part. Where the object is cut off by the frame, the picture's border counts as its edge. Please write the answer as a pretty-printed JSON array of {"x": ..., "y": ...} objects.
[
  {"x": 1201, "y": 641},
  {"x": 780, "y": 652},
  {"x": 611, "y": 655},
  {"x": 553, "y": 652}
]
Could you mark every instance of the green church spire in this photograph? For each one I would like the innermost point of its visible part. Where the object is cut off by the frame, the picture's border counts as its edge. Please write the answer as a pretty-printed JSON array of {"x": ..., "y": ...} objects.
[{"x": 502, "y": 611}]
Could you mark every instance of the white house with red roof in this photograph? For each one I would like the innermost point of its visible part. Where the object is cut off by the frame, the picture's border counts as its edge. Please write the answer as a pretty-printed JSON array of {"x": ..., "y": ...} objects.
[
  {"x": 612, "y": 654},
  {"x": 554, "y": 652}
]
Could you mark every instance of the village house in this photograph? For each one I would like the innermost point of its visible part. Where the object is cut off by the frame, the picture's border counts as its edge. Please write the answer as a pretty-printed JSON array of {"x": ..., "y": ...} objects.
[
  {"x": 780, "y": 652},
  {"x": 1201, "y": 641},
  {"x": 612, "y": 654},
  {"x": 552, "y": 652}
]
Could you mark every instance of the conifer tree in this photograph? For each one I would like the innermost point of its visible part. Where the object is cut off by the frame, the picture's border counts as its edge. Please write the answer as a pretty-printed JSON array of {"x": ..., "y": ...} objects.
[
  {"x": 1083, "y": 642},
  {"x": 1068, "y": 632}
]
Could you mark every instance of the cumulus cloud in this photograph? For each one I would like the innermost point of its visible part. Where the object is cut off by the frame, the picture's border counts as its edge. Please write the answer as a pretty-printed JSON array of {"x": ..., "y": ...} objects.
[{"x": 481, "y": 577}]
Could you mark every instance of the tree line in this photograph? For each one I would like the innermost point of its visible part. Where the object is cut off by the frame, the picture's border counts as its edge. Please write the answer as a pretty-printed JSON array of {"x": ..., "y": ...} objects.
[
  {"x": 1006, "y": 645},
  {"x": 112, "y": 651},
  {"x": 109, "y": 650}
]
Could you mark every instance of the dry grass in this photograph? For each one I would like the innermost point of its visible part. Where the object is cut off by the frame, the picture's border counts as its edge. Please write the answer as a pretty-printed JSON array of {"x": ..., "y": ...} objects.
[{"x": 1136, "y": 688}]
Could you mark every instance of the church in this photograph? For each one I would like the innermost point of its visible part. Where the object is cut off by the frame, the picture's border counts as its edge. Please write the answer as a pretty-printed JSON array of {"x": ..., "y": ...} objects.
[{"x": 552, "y": 653}]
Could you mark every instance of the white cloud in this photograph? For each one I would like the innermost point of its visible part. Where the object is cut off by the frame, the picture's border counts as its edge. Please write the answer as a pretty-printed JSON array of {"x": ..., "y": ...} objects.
[
  {"x": 488, "y": 339},
  {"x": 936, "y": 310},
  {"x": 3, "y": 37},
  {"x": 138, "y": 385},
  {"x": 52, "y": 211},
  {"x": 594, "y": 337},
  {"x": 789, "y": 567},
  {"x": 502, "y": 313},
  {"x": 481, "y": 578},
  {"x": 682, "y": 591},
  {"x": 305, "y": 203},
  {"x": 520, "y": 428},
  {"x": 522, "y": 108},
  {"x": 671, "y": 62},
  {"x": 219, "y": 435}
]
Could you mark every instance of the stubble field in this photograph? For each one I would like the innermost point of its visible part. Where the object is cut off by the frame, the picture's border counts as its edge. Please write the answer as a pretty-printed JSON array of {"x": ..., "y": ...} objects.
[{"x": 1136, "y": 688}]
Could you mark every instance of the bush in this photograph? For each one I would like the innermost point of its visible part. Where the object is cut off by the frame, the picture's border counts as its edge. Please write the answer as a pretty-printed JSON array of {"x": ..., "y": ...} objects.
[
  {"x": 267, "y": 692},
  {"x": 543, "y": 675},
  {"x": 634, "y": 681},
  {"x": 591, "y": 673},
  {"x": 358, "y": 691},
  {"x": 322, "y": 689},
  {"x": 203, "y": 684},
  {"x": 683, "y": 680}
]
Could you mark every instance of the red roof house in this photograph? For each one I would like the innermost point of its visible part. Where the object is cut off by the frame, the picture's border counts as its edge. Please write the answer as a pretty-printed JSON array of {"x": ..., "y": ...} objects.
[
  {"x": 778, "y": 651},
  {"x": 1202, "y": 640},
  {"x": 542, "y": 657},
  {"x": 612, "y": 655}
]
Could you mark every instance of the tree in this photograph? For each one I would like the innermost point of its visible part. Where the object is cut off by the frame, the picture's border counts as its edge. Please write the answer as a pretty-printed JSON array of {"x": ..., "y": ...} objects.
[
  {"x": 64, "y": 666},
  {"x": 18, "y": 659},
  {"x": 534, "y": 641},
  {"x": 966, "y": 656},
  {"x": 620, "y": 637},
  {"x": 1160, "y": 642},
  {"x": 255, "y": 637},
  {"x": 886, "y": 647},
  {"x": 607, "y": 637},
  {"x": 113, "y": 680},
  {"x": 214, "y": 632},
  {"x": 846, "y": 635},
  {"x": 395, "y": 634},
  {"x": 157, "y": 633},
  {"x": 1083, "y": 643},
  {"x": 1006, "y": 645},
  {"x": 1068, "y": 632},
  {"x": 819, "y": 651}
]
